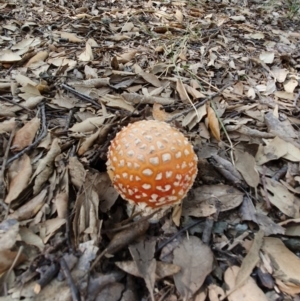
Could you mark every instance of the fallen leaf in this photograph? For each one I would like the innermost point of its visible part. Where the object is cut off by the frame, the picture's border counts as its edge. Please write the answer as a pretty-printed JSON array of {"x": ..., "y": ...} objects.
[
  {"x": 285, "y": 265},
  {"x": 40, "y": 56},
  {"x": 213, "y": 123},
  {"x": 25, "y": 135},
  {"x": 196, "y": 262},
  {"x": 88, "y": 125},
  {"x": 45, "y": 167},
  {"x": 143, "y": 256},
  {"x": 246, "y": 165},
  {"x": 267, "y": 57},
  {"x": 280, "y": 197},
  {"x": 31, "y": 208},
  {"x": 249, "y": 262},
  {"x": 159, "y": 113},
  {"x": 249, "y": 291},
  {"x": 208, "y": 199},
  {"x": 87, "y": 54},
  {"x": 290, "y": 85},
  {"x": 19, "y": 174}
]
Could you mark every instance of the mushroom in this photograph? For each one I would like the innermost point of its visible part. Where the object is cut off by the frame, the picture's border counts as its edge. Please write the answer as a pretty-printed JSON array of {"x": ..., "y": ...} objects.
[{"x": 152, "y": 165}]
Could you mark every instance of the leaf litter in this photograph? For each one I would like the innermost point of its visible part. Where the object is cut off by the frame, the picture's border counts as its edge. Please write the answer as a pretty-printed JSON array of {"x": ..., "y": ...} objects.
[{"x": 226, "y": 74}]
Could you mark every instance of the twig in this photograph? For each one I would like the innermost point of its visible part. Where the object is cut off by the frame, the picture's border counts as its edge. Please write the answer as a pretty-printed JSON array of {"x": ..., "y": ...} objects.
[
  {"x": 202, "y": 80},
  {"x": 117, "y": 229},
  {"x": 74, "y": 289},
  {"x": 12, "y": 134},
  {"x": 206, "y": 235},
  {"x": 70, "y": 115},
  {"x": 280, "y": 173},
  {"x": 82, "y": 96},
  {"x": 199, "y": 104},
  {"x": 36, "y": 142},
  {"x": 15, "y": 103},
  {"x": 12, "y": 266},
  {"x": 263, "y": 179},
  {"x": 296, "y": 100},
  {"x": 176, "y": 234}
]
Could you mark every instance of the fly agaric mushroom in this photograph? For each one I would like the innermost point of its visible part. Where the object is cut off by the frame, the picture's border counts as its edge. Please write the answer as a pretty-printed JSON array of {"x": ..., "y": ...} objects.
[{"x": 152, "y": 165}]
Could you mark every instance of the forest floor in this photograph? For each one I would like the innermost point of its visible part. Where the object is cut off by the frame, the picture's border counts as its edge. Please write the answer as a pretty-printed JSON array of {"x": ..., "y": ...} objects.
[{"x": 224, "y": 73}]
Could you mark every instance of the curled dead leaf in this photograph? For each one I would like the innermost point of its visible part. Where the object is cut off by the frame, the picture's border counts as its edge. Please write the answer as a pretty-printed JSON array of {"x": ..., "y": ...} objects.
[
  {"x": 213, "y": 123},
  {"x": 25, "y": 135}
]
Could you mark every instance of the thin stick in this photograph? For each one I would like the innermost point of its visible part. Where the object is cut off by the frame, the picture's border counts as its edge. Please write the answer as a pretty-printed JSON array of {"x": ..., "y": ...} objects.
[
  {"x": 15, "y": 103},
  {"x": 12, "y": 267},
  {"x": 74, "y": 289},
  {"x": 176, "y": 234},
  {"x": 82, "y": 96},
  {"x": 12, "y": 134},
  {"x": 199, "y": 104}
]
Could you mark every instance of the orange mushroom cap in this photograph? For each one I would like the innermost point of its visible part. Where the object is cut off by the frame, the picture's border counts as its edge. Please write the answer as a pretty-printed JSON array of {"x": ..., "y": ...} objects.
[{"x": 151, "y": 164}]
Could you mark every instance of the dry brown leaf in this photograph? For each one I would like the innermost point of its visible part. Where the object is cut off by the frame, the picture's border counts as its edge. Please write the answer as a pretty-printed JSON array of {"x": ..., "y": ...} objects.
[
  {"x": 127, "y": 57},
  {"x": 45, "y": 167},
  {"x": 208, "y": 199},
  {"x": 7, "y": 56},
  {"x": 282, "y": 129},
  {"x": 213, "y": 123},
  {"x": 193, "y": 92},
  {"x": 143, "y": 256},
  {"x": 182, "y": 92},
  {"x": 249, "y": 262},
  {"x": 159, "y": 113},
  {"x": 148, "y": 77},
  {"x": 71, "y": 37},
  {"x": 246, "y": 165},
  {"x": 249, "y": 291},
  {"x": 31, "y": 208},
  {"x": 215, "y": 292},
  {"x": 90, "y": 73},
  {"x": 77, "y": 172},
  {"x": 25, "y": 135},
  {"x": 61, "y": 204},
  {"x": 274, "y": 150},
  {"x": 31, "y": 95},
  {"x": 116, "y": 101},
  {"x": 140, "y": 99},
  {"x": 7, "y": 258},
  {"x": 163, "y": 269},
  {"x": 9, "y": 234},
  {"x": 280, "y": 74},
  {"x": 31, "y": 238},
  {"x": 267, "y": 57},
  {"x": 290, "y": 85},
  {"x": 103, "y": 186},
  {"x": 196, "y": 262},
  {"x": 87, "y": 54},
  {"x": 194, "y": 117},
  {"x": 49, "y": 228},
  {"x": 8, "y": 125},
  {"x": 285, "y": 265},
  {"x": 24, "y": 80},
  {"x": 179, "y": 15},
  {"x": 238, "y": 88},
  {"x": 280, "y": 197},
  {"x": 19, "y": 174},
  {"x": 88, "y": 142},
  {"x": 40, "y": 56},
  {"x": 88, "y": 125}
]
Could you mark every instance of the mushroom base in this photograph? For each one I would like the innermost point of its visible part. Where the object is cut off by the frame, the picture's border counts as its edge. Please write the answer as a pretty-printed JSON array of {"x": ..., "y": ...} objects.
[{"x": 144, "y": 210}]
